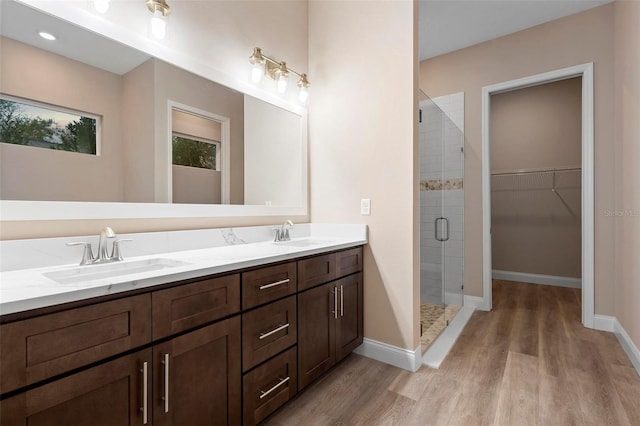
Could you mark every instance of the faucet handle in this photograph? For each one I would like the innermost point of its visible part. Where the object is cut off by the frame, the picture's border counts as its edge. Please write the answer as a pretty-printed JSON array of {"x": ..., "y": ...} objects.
[
  {"x": 279, "y": 234},
  {"x": 115, "y": 251},
  {"x": 87, "y": 254}
]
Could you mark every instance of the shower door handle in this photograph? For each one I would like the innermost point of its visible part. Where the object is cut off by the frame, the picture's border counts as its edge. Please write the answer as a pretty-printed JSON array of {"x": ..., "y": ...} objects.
[
  {"x": 447, "y": 221},
  {"x": 435, "y": 229}
]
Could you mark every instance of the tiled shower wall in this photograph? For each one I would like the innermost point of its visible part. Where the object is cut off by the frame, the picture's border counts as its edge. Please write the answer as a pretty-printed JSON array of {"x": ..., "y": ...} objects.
[{"x": 442, "y": 184}]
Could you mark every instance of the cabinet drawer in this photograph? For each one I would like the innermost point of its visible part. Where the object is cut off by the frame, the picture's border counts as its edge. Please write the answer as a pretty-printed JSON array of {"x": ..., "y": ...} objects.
[
  {"x": 316, "y": 270},
  {"x": 348, "y": 262},
  {"x": 269, "y": 386},
  {"x": 188, "y": 306},
  {"x": 267, "y": 284},
  {"x": 267, "y": 331},
  {"x": 38, "y": 348}
]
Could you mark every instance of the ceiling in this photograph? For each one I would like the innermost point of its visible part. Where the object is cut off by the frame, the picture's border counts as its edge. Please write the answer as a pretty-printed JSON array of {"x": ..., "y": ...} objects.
[
  {"x": 448, "y": 25},
  {"x": 445, "y": 26},
  {"x": 22, "y": 23}
]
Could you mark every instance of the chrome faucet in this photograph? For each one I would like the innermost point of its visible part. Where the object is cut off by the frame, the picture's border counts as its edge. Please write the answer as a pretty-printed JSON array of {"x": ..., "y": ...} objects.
[
  {"x": 107, "y": 233},
  {"x": 103, "y": 257},
  {"x": 282, "y": 234}
]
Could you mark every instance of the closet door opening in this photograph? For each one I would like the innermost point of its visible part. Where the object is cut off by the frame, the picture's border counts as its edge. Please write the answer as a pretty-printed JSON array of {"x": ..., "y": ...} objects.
[{"x": 536, "y": 195}]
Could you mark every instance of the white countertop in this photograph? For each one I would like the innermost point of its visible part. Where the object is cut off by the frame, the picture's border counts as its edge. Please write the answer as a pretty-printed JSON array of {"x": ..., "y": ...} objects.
[{"x": 26, "y": 289}]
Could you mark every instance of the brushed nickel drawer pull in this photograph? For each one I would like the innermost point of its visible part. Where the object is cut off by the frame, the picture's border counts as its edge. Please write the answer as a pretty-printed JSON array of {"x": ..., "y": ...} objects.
[
  {"x": 165, "y": 361},
  {"x": 145, "y": 392},
  {"x": 262, "y": 287},
  {"x": 280, "y": 383},
  {"x": 341, "y": 300},
  {"x": 275, "y": 330},
  {"x": 335, "y": 302}
]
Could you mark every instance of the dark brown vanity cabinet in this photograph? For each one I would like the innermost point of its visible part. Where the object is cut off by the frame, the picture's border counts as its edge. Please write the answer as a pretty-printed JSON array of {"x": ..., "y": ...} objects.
[
  {"x": 113, "y": 393},
  {"x": 39, "y": 348},
  {"x": 197, "y": 377},
  {"x": 330, "y": 319},
  {"x": 193, "y": 379},
  {"x": 269, "y": 338},
  {"x": 227, "y": 349}
]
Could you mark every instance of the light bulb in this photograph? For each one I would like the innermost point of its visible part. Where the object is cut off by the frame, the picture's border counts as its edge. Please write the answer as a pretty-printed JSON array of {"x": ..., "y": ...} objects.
[
  {"x": 158, "y": 25},
  {"x": 303, "y": 95},
  {"x": 47, "y": 36},
  {"x": 282, "y": 83},
  {"x": 256, "y": 72},
  {"x": 101, "y": 5}
]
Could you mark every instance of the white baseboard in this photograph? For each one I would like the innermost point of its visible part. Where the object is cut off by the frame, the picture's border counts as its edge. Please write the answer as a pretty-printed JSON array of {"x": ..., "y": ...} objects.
[
  {"x": 389, "y": 354},
  {"x": 627, "y": 344},
  {"x": 475, "y": 302},
  {"x": 604, "y": 323},
  {"x": 537, "y": 279},
  {"x": 437, "y": 352}
]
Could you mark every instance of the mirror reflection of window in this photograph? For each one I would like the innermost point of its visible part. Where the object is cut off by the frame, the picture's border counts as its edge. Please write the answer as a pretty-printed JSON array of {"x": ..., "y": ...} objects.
[
  {"x": 31, "y": 123},
  {"x": 196, "y": 165}
]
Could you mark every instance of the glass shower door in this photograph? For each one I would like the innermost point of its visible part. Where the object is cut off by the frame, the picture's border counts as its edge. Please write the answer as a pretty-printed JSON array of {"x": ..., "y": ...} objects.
[
  {"x": 432, "y": 267},
  {"x": 453, "y": 206},
  {"x": 441, "y": 213}
]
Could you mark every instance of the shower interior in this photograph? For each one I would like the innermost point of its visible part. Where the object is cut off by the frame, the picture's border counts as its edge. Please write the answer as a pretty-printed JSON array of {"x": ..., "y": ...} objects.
[{"x": 441, "y": 213}]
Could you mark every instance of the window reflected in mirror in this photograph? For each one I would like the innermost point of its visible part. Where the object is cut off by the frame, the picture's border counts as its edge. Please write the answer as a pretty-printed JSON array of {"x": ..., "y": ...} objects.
[
  {"x": 30, "y": 123},
  {"x": 196, "y": 168}
]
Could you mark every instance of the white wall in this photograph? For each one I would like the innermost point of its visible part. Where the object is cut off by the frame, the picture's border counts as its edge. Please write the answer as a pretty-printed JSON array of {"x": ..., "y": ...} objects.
[
  {"x": 363, "y": 144},
  {"x": 625, "y": 214}
]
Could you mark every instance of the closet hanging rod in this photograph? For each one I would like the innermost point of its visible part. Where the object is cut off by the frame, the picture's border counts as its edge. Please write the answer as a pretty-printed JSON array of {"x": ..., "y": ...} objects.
[{"x": 531, "y": 171}]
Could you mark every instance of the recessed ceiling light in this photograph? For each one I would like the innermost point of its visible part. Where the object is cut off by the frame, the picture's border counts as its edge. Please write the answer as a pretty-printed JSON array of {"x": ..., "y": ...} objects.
[{"x": 47, "y": 36}]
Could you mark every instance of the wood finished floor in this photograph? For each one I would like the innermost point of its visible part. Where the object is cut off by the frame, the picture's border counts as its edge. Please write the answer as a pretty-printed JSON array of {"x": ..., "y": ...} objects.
[{"x": 528, "y": 362}]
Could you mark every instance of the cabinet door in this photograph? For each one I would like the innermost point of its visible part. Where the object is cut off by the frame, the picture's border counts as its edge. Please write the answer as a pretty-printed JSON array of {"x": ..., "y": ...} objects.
[
  {"x": 349, "y": 330},
  {"x": 109, "y": 394},
  {"x": 197, "y": 377},
  {"x": 316, "y": 332}
]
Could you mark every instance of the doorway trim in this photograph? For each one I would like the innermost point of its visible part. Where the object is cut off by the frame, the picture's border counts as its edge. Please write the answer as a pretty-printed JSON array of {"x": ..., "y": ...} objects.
[{"x": 588, "y": 250}]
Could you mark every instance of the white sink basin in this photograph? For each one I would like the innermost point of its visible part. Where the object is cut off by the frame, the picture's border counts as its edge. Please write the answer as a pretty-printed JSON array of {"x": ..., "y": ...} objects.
[
  {"x": 109, "y": 270},
  {"x": 304, "y": 242}
]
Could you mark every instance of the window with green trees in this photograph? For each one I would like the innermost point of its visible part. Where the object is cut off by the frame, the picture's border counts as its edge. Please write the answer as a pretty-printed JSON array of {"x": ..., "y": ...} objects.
[
  {"x": 33, "y": 124},
  {"x": 194, "y": 152}
]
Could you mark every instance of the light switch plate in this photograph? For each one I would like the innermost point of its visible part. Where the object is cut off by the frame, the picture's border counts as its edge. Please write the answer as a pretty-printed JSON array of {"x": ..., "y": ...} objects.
[{"x": 365, "y": 206}]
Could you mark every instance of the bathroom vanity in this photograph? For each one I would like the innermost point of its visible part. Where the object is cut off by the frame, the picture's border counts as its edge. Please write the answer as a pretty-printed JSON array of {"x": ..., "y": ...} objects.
[{"x": 226, "y": 347}]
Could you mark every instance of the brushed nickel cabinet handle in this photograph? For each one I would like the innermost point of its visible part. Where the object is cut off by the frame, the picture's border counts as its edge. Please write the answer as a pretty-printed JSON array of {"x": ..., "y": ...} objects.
[
  {"x": 280, "y": 383},
  {"x": 275, "y": 330},
  {"x": 262, "y": 287},
  {"x": 165, "y": 398},
  {"x": 335, "y": 302},
  {"x": 145, "y": 392},
  {"x": 341, "y": 300}
]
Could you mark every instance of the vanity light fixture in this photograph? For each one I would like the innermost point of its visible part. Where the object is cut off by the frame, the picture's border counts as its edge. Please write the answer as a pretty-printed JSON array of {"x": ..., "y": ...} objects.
[
  {"x": 101, "y": 5},
  {"x": 160, "y": 10},
  {"x": 278, "y": 71},
  {"x": 303, "y": 84}
]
